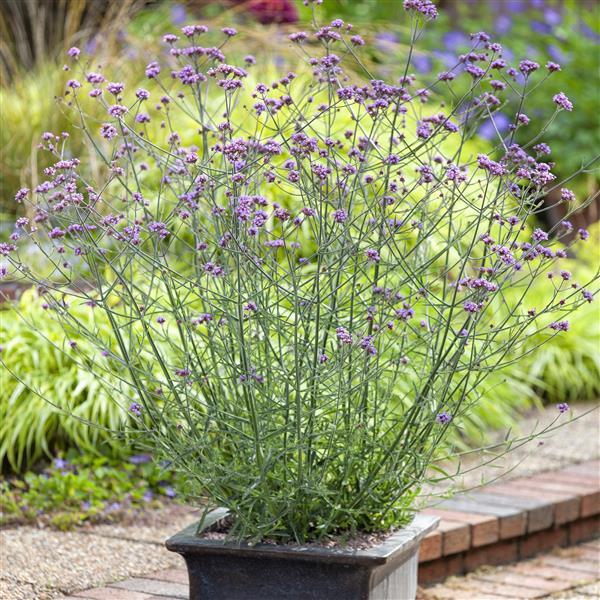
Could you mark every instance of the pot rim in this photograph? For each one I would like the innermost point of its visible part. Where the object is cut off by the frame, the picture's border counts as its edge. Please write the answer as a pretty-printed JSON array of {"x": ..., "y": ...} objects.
[{"x": 397, "y": 545}]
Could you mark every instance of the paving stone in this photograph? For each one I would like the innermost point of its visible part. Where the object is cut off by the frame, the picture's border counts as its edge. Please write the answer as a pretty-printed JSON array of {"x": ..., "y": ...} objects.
[
  {"x": 153, "y": 586},
  {"x": 111, "y": 593},
  {"x": 587, "y": 568},
  {"x": 486, "y": 589},
  {"x": 537, "y": 582},
  {"x": 536, "y": 569},
  {"x": 172, "y": 575}
]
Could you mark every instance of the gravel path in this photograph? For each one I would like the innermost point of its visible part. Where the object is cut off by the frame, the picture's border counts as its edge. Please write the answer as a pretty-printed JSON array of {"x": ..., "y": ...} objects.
[{"x": 41, "y": 564}]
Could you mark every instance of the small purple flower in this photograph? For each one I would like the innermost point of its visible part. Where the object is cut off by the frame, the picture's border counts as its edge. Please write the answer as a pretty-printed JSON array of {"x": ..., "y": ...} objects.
[
  {"x": 584, "y": 234},
  {"x": 135, "y": 409},
  {"x": 423, "y": 7},
  {"x": 562, "y": 407},
  {"x": 562, "y": 101},
  {"x": 117, "y": 110},
  {"x": 343, "y": 335},
  {"x": 107, "y": 131},
  {"x": 161, "y": 320},
  {"x": 340, "y": 215},
  {"x": 587, "y": 295},
  {"x": 472, "y": 307},
  {"x": 115, "y": 87},
  {"x": 372, "y": 255},
  {"x": 443, "y": 418},
  {"x": 539, "y": 235},
  {"x": 74, "y": 52},
  {"x": 560, "y": 325},
  {"x": 566, "y": 195},
  {"x": 229, "y": 31},
  {"x": 528, "y": 66},
  {"x": 552, "y": 66},
  {"x": 152, "y": 70},
  {"x": 367, "y": 345}
]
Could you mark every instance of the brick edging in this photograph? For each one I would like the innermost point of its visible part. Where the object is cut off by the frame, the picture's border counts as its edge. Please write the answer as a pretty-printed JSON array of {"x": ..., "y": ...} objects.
[{"x": 512, "y": 520}]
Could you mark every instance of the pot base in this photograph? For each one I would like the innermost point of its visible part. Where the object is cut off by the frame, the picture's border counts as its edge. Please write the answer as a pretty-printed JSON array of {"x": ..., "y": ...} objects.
[{"x": 229, "y": 571}]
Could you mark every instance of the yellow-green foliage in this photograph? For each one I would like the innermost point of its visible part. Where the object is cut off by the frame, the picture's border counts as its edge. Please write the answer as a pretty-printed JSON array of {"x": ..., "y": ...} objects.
[{"x": 49, "y": 399}]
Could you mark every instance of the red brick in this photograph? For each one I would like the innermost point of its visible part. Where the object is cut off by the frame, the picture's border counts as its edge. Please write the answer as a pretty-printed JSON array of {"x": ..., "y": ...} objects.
[
  {"x": 440, "y": 569},
  {"x": 456, "y": 537},
  {"x": 493, "y": 554},
  {"x": 584, "y": 530},
  {"x": 566, "y": 506},
  {"x": 172, "y": 575},
  {"x": 106, "y": 593},
  {"x": 431, "y": 546},
  {"x": 534, "y": 581},
  {"x": 589, "y": 493},
  {"x": 485, "y": 529},
  {"x": 542, "y": 541}
]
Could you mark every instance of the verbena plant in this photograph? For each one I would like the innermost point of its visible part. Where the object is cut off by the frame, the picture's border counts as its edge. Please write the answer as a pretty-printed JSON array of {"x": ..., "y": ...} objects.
[{"x": 303, "y": 308}]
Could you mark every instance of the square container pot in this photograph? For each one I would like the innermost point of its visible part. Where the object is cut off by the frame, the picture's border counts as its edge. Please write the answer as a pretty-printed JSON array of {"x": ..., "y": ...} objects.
[{"x": 231, "y": 571}]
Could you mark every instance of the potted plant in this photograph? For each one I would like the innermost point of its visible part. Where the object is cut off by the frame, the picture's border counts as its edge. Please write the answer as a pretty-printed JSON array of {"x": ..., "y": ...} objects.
[{"x": 304, "y": 286}]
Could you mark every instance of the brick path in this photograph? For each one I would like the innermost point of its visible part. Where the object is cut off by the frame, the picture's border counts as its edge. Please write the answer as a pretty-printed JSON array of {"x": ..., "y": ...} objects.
[
  {"x": 513, "y": 520},
  {"x": 565, "y": 573}
]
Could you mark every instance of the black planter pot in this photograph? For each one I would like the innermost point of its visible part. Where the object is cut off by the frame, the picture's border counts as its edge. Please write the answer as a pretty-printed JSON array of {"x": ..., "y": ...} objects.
[{"x": 229, "y": 571}]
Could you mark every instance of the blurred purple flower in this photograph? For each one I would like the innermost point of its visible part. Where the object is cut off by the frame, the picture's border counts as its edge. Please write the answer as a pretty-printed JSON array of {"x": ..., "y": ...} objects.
[
  {"x": 170, "y": 492},
  {"x": 385, "y": 39},
  {"x": 422, "y": 63},
  {"x": 178, "y": 14},
  {"x": 540, "y": 27},
  {"x": 487, "y": 130},
  {"x": 60, "y": 463},
  {"x": 455, "y": 39},
  {"x": 588, "y": 32},
  {"x": 555, "y": 53},
  {"x": 503, "y": 24},
  {"x": 140, "y": 459},
  {"x": 552, "y": 17}
]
